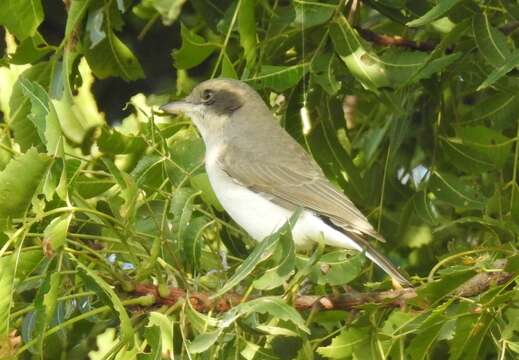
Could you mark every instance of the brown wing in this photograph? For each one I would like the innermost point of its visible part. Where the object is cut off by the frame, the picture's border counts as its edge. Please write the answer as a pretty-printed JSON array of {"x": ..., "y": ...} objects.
[{"x": 299, "y": 182}]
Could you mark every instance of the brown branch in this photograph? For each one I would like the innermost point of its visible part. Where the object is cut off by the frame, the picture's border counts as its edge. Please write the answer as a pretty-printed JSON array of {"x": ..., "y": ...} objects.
[
  {"x": 398, "y": 41},
  {"x": 351, "y": 299}
]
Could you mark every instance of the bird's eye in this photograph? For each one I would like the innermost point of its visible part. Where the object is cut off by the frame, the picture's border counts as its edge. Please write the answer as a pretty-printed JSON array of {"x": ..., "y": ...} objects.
[{"x": 208, "y": 96}]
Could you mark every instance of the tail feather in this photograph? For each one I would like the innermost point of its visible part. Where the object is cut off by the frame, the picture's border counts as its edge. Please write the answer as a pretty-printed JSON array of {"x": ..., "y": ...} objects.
[{"x": 382, "y": 261}]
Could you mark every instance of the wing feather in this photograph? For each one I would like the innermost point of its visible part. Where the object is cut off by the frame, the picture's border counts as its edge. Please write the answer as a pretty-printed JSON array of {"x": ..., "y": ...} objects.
[{"x": 300, "y": 183}]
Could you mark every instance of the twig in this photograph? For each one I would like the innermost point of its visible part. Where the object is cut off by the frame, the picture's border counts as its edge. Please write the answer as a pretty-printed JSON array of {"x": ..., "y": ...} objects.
[
  {"x": 351, "y": 299},
  {"x": 399, "y": 41}
]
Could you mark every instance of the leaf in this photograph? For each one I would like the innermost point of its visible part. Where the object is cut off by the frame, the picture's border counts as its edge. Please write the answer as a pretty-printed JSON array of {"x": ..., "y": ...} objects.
[
  {"x": 337, "y": 267},
  {"x": 45, "y": 305},
  {"x": 228, "y": 70},
  {"x": 452, "y": 190},
  {"x": 187, "y": 150},
  {"x": 192, "y": 241},
  {"x": 437, "y": 11},
  {"x": 437, "y": 290},
  {"x": 19, "y": 182},
  {"x": 194, "y": 50},
  {"x": 346, "y": 344},
  {"x": 261, "y": 252},
  {"x": 168, "y": 9},
  {"x": 43, "y": 115},
  {"x": 21, "y": 17},
  {"x": 30, "y": 50},
  {"x": 105, "y": 342},
  {"x": 7, "y": 269},
  {"x": 499, "y": 107},
  {"x": 491, "y": 42},
  {"x": 165, "y": 325},
  {"x": 200, "y": 182},
  {"x": 111, "y": 57},
  {"x": 271, "y": 305},
  {"x": 427, "y": 333},
  {"x": 247, "y": 30},
  {"x": 508, "y": 65},
  {"x": 204, "y": 341},
  {"x": 108, "y": 296},
  {"x": 363, "y": 65},
  {"x": 323, "y": 73},
  {"x": 284, "y": 265},
  {"x": 25, "y": 133},
  {"x": 471, "y": 331},
  {"x": 76, "y": 12},
  {"x": 55, "y": 234},
  {"x": 310, "y": 14},
  {"x": 111, "y": 141},
  {"x": 278, "y": 78}
]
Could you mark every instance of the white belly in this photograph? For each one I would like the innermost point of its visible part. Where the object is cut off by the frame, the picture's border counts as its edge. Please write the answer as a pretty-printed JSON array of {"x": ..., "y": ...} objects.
[{"x": 260, "y": 217}]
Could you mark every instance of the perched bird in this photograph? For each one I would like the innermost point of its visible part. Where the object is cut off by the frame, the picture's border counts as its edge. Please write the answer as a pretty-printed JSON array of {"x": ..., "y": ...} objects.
[{"x": 261, "y": 175}]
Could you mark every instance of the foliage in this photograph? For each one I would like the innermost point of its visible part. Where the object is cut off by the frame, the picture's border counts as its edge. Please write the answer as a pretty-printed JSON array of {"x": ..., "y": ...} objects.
[{"x": 418, "y": 127}]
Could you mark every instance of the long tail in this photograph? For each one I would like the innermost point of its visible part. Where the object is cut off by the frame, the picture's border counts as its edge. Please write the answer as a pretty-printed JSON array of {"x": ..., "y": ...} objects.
[{"x": 379, "y": 259}]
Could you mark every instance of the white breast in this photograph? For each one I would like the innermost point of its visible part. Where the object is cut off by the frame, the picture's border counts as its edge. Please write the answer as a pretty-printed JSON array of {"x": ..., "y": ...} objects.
[{"x": 260, "y": 217}]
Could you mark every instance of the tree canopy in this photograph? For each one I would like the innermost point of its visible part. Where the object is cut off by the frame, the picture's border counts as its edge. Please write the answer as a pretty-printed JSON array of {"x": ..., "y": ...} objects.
[{"x": 114, "y": 246}]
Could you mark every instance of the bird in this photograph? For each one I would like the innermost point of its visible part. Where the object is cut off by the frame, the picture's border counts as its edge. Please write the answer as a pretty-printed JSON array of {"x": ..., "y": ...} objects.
[{"x": 261, "y": 175}]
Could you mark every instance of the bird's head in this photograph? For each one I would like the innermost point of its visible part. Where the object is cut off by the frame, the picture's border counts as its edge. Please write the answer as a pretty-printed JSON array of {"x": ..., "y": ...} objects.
[{"x": 212, "y": 103}]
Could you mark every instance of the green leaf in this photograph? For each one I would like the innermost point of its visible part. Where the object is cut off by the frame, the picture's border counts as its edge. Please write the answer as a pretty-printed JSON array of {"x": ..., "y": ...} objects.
[
  {"x": 271, "y": 305},
  {"x": 55, "y": 234},
  {"x": 25, "y": 133},
  {"x": 491, "y": 42},
  {"x": 285, "y": 258},
  {"x": 437, "y": 11},
  {"x": 437, "y": 290},
  {"x": 21, "y": 17},
  {"x": 192, "y": 241},
  {"x": 19, "y": 181},
  {"x": 76, "y": 13},
  {"x": 166, "y": 328},
  {"x": 105, "y": 342},
  {"x": 454, "y": 191},
  {"x": 204, "y": 341},
  {"x": 187, "y": 151},
  {"x": 200, "y": 182},
  {"x": 194, "y": 50},
  {"x": 508, "y": 65},
  {"x": 113, "y": 142},
  {"x": 323, "y": 73},
  {"x": 499, "y": 107},
  {"x": 310, "y": 14},
  {"x": 337, "y": 267},
  {"x": 247, "y": 30},
  {"x": 111, "y": 57},
  {"x": 278, "y": 78},
  {"x": 347, "y": 343},
  {"x": 43, "y": 115},
  {"x": 108, "y": 296},
  {"x": 45, "y": 304},
  {"x": 7, "y": 269},
  {"x": 30, "y": 50},
  {"x": 427, "y": 333},
  {"x": 169, "y": 10},
  {"x": 470, "y": 334},
  {"x": 261, "y": 252},
  {"x": 363, "y": 65}
]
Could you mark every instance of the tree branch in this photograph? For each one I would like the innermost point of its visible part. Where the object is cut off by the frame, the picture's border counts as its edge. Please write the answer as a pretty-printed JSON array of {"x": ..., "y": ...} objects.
[
  {"x": 398, "y": 41},
  {"x": 351, "y": 299}
]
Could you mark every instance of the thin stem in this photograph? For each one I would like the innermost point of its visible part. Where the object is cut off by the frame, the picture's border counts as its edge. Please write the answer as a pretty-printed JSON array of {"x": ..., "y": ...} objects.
[{"x": 227, "y": 37}]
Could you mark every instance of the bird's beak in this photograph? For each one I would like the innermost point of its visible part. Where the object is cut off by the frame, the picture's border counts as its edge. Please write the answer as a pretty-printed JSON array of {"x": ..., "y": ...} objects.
[{"x": 177, "y": 107}]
